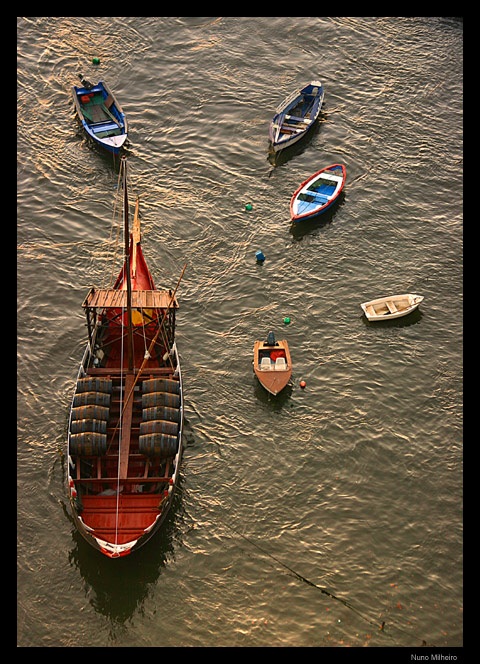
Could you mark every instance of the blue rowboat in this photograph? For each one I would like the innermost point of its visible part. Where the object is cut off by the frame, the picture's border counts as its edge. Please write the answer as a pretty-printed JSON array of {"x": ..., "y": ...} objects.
[
  {"x": 295, "y": 115},
  {"x": 101, "y": 115},
  {"x": 318, "y": 193}
]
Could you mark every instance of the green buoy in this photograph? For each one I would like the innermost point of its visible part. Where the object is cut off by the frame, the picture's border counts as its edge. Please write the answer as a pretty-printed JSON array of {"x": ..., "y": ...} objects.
[
  {"x": 248, "y": 206},
  {"x": 96, "y": 61},
  {"x": 286, "y": 320}
]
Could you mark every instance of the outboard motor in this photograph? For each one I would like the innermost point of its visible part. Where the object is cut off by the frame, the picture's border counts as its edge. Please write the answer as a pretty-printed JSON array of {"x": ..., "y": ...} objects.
[
  {"x": 271, "y": 339},
  {"x": 86, "y": 84}
]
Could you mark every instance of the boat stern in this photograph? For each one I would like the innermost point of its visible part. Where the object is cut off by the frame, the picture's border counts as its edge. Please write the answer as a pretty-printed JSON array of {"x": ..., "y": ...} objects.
[{"x": 115, "y": 550}]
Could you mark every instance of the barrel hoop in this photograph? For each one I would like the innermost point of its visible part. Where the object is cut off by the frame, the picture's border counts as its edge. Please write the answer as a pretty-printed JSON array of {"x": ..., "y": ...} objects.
[
  {"x": 90, "y": 411},
  {"x": 94, "y": 384},
  {"x": 157, "y": 444},
  {"x": 81, "y": 426}
]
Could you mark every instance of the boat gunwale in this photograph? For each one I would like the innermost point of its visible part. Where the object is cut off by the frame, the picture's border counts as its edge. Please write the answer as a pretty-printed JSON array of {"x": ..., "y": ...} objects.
[
  {"x": 416, "y": 301},
  {"x": 320, "y": 209}
]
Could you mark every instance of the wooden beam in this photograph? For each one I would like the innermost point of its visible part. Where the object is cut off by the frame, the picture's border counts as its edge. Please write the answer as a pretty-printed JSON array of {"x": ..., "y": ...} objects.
[
  {"x": 126, "y": 427},
  {"x": 115, "y": 373},
  {"x": 128, "y": 480}
]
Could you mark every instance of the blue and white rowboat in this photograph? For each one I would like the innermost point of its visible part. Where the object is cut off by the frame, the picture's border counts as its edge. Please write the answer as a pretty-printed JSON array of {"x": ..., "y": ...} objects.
[
  {"x": 295, "y": 115},
  {"x": 318, "y": 193},
  {"x": 101, "y": 115}
]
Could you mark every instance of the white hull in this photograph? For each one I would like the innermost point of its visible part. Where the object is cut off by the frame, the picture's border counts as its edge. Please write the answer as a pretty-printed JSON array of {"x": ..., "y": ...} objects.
[{"x": 395, "y": 306}]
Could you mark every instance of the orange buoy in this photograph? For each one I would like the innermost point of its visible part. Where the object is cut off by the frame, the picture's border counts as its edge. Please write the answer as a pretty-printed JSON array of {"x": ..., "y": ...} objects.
[{"x": 303, "y": 384}]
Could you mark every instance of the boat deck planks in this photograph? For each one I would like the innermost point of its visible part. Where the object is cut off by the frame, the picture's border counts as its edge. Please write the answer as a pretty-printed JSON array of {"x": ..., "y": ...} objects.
[{"x": 113, "y": 298}]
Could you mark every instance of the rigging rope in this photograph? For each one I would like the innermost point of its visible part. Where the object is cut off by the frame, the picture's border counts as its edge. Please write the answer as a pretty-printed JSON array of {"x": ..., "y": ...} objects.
[{"x": 115, "y": 202}]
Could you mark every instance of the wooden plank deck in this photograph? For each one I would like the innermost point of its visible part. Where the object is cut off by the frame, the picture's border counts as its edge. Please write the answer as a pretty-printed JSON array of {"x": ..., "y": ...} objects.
[{"x": 114, "y": 298}]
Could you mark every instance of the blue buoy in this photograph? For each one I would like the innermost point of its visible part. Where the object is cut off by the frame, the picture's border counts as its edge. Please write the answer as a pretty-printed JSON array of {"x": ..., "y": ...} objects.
[{"x": 260, "y": 256}]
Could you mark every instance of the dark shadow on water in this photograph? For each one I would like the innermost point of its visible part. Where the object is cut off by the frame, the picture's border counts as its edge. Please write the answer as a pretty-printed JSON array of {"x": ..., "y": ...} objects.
[
  {"x": 107, "y": 159},
  {"x": 276, "y": 403},
  {"x": 282, "y": 156}
]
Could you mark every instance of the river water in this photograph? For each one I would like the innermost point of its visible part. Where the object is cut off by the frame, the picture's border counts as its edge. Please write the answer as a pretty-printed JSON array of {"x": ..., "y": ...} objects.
[{"x": 353, "y": 483}]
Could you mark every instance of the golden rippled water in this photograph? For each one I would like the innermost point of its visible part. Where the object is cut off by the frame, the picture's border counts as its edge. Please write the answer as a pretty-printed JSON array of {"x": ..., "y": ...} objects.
[{"x": 315, "y": 518}]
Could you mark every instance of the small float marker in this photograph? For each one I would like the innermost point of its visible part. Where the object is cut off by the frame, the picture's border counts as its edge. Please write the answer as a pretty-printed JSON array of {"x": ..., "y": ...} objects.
[
  {"x": 260, "y": 256},
  {"x": 96, "y": 61},
  {"x": 303, "y": 384},
  {"x": 248, "y": 206},
  {"x": 286, "y": 320}
]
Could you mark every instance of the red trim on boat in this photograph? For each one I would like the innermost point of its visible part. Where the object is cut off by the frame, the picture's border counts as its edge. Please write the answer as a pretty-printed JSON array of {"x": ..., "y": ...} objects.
[{"x": 295, "y": 217}]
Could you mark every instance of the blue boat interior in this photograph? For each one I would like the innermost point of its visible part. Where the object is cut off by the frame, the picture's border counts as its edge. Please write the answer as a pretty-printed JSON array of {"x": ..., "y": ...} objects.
[
  {"x": 100, "y": 113},
  {"x": 325, "y": 189},
  {"x": 312, "y": 200},
  {"x": 302, "y": 107}
]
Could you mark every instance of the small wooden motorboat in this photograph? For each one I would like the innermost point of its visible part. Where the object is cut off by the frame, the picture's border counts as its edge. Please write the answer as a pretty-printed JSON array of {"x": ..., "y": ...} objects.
[
  {"x": 126, "y": 419},
  {"x": 295, "y": 115},
  {"x": 318, "y": 193},
  {"x": 272, "y": 363},
  {"x": 393, "y": 306},
  {"x": 101, "y": 115}
]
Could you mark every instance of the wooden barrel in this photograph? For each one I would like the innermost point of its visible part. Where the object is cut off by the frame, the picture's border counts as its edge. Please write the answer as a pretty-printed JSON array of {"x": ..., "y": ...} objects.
[
  {"x": 160, "y": 399},
  {"x": 157, "y": 444},
  {"x": 88, "y": 444},
  {"x": 92, "y": 412},
  {"x": 80, "y": 426},
  {"x": 161, "y": 385},
  {"x": 161, "y": 413},
  {"x": 94, "y": 384},
  {"x": 91, "y": 398},
  {"x": 159, "y": 426}
]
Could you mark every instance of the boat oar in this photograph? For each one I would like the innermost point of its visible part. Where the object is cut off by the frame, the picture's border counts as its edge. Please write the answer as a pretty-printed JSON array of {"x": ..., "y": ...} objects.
[{"x": 111, "y": 116}]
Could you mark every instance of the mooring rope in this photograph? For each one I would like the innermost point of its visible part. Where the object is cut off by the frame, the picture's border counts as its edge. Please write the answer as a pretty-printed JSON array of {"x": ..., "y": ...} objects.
[
  {"x": 323, "y": 590},
  {"x": 379, "y": 626}
]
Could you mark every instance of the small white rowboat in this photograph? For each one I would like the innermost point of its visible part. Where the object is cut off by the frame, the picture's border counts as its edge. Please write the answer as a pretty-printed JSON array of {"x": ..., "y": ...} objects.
[{"x": 393, "y": 306}]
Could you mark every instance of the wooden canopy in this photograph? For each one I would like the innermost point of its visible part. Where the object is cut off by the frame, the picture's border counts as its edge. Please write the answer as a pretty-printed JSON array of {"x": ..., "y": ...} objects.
[{"x": 113, "y": 298}]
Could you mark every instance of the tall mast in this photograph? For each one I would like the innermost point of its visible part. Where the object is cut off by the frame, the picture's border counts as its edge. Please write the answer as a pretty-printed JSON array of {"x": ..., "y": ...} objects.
[{"x": 127, "y": 268}]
